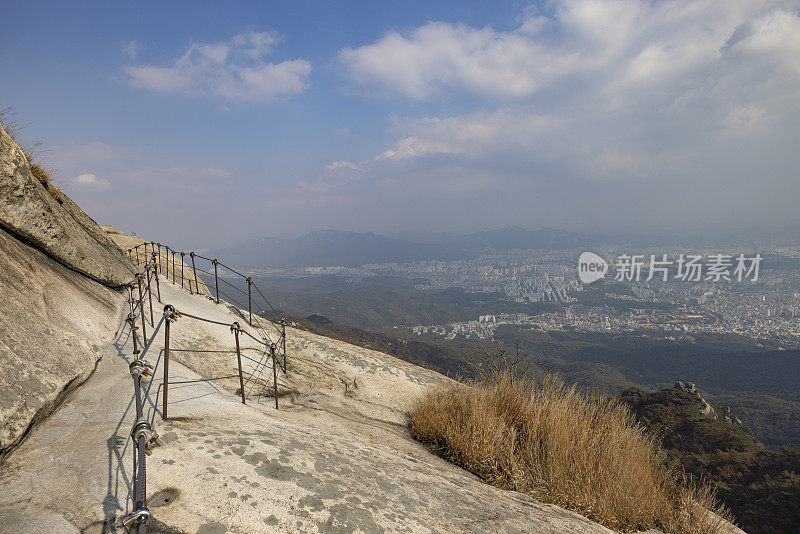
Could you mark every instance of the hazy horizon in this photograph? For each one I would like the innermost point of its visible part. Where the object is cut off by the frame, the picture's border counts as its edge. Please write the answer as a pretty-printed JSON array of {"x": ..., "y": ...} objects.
[{"x": 207, "y": 125}]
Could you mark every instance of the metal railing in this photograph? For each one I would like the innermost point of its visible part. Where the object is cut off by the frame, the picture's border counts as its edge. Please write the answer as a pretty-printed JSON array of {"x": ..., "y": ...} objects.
[
  {"x": 140, "y": 301},
  {"x": 143, "y": 433},
  {"x": 166, "y": 263}
]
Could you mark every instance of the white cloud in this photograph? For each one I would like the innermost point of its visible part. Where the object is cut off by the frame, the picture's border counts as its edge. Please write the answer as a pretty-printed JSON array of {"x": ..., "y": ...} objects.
[
  {"x": 208, "y": 172},
  {"x": 131, "y": 49},
  {"x": 90, "y": 182},
  {"x": 338, "y": 166},
  {"x": 94, "y": 151},
  {"x": 744, "y": 120},
  {"x": 622, "y": 42},
  {"x": 772, "y": 39},
  {"x": 232, "y": 70},
  {"x": 509, "y": 128},
  {"x": 439, "y": 54},
  {"x": 256, "y": 45},
  {"x": 616, "y": 91}
]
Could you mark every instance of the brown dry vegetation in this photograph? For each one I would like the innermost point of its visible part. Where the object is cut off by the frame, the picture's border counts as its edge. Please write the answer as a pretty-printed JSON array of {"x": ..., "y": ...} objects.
[
  {"x": 562, "y": 447},
  {"x": 39, "y": 171}
]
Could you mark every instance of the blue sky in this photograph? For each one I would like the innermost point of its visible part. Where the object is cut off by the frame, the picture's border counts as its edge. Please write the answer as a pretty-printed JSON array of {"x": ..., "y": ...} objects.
[{"x": 206, "y": 124}]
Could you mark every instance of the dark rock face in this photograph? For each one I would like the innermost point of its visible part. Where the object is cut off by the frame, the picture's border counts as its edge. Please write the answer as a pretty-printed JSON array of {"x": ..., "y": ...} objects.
[{"x": 49, "y": 220}]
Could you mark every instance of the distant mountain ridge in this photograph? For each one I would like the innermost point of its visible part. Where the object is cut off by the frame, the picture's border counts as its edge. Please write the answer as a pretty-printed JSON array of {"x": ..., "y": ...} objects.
[
  {"x": 351, "y": 249},
  {"x": 332, "y": 248}
]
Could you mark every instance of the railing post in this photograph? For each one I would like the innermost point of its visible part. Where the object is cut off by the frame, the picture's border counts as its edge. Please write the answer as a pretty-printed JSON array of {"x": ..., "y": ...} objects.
[
  {"x": 155, "y": 275},
  {"x": 235, "y": 330},
  {"x": 159, "y": 262},
  {"x": 274, "y": 374},
  {"x": 141, "y": 310},
  {"x": 190, "y": 287},
  {"x": 173, "y": 268},
  {"x": 132, "y": 322},
  {"x": 283, "y": 342},
  {"x": 194, "y": 268},
  {"x": 150, "y": 292},
  {"x": 249, "y": 300},
  {"x": 216, "y": 280},
  {"x": 136, "y": 249},
  {"x": 168, "y": 312}
]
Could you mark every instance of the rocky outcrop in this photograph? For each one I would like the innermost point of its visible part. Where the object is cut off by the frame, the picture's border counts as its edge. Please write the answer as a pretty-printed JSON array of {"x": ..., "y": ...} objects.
[
  {"x": 46, "y": 218},
  {"x": 707, "y": 409}
]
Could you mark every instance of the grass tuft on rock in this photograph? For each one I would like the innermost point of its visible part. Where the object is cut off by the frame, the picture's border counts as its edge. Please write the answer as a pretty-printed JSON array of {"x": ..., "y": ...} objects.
[
  {"x": 583, "y": 453},
  {"x": 31, "y": 152}
]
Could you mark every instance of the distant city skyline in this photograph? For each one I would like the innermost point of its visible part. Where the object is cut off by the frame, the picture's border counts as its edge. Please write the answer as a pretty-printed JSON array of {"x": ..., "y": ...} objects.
[{"x": 205, "y": 125}]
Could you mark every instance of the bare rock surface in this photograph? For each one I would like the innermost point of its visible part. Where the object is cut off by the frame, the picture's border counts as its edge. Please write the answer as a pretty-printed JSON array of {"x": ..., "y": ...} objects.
[
  {"x": 49, "y": 220},
  {"x": 332, "y": 459},
  {"x": 53, "y": 326}
]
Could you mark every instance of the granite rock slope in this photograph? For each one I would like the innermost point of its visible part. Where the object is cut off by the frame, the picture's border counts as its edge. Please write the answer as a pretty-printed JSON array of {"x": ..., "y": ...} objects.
[
  {"x": 53, "y": 323},
  {"x": 46, "y": 218}
]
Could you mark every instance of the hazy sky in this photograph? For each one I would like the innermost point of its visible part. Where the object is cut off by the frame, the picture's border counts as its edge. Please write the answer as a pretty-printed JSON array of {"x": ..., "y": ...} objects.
[{"x": 202, "y": 125}]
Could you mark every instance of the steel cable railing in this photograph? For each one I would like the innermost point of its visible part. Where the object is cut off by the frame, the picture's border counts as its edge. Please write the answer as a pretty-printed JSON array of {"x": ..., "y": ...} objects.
[
  {"x": 142, "y": 433},
  {"x": 140, "y": 297},
  {"x": 135, "y": 254},
  {"x": 173, "y": 315}
]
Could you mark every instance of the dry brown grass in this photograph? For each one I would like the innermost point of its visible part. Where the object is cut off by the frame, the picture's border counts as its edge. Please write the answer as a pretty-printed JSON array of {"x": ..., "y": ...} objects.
[
  {"x": 32, "y": 153},
  {"x": 559, "y": 446}
]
